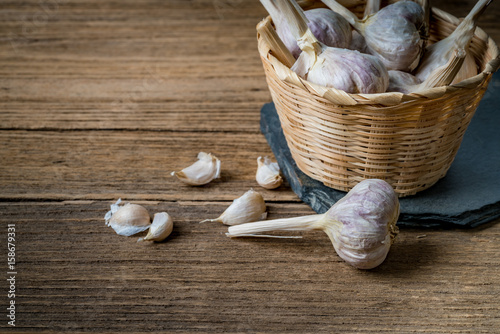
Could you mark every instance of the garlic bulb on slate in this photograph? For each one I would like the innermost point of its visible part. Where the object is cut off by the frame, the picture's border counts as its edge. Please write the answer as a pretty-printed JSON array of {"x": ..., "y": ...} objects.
[
  {"x": 392, "y": 33},
  {"x": 361, "y": 225},
  {"x": 128, "y": 219},
  {"x": 268, "y": 173},
  {"x": 247, "y": 208},
  {"x": 327, "y": 26},
  {"x": 440, "y": 52},
  {"x": 160, "y": 229},
  {"x": 347, "y": 70},
  {"x": 206, "y": 169}
]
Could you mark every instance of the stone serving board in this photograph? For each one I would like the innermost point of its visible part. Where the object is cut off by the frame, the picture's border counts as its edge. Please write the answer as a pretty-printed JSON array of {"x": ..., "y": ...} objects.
[{"x": 468, "y": 196}]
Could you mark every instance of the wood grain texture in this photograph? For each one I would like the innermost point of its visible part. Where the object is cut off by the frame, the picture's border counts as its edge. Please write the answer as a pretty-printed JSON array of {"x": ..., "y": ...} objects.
[{"x": 103, "y": 99}]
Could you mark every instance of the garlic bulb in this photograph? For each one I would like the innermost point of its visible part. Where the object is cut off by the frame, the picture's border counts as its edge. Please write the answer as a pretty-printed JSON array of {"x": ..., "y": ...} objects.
[
  {"x": 160, "y": 229},
  {"x": 343, "y": 69},
  {"x": 268, "y": 173},
  {"x": 247, "y": 208},
  {"x": 406, "y": 83},
  {"x": 206, "y": 169},
  {"x": 400, "y": 81},
  {"x": 361, "y": 225},
  {"x": 440, "y": 52},
  {"x": 327, "y": 26},
  {"x": 128, "y": 219},
  {"x": 392, "y": 33}
]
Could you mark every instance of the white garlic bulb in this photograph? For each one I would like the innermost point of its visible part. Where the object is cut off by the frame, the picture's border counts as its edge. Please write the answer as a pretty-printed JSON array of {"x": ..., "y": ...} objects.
[
  {"x": 440, "y": 76},
  {"x": 268, "y": 173},
  {"x": 160, "y": 229},
  {"x": 128, "y": 219},
  {"x": 247, "y": 208},
  {"x": 203, "y": 171},
  {"x": 348, "y": 70},
  {"x": 327, "y": 26},
  {"x": 392, "y": 33},
  {"x": 439, "y": 53},
  {"x": 361, "y": 225}
]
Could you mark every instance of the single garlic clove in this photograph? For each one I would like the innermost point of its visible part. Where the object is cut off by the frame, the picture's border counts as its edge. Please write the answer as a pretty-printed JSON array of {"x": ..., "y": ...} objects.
[
  {"x": 268, "y": 173},
  {"x": 361, "y": 225},
  {"x": 160, "y": 229},
  {"x": 128, "y": 219},
  {"x": 203, "y": 171},
  {"x": 247, "y": 208}
]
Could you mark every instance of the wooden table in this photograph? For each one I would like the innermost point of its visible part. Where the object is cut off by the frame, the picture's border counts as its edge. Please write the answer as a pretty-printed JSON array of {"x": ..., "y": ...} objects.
[{"x": 101, "y": 100}]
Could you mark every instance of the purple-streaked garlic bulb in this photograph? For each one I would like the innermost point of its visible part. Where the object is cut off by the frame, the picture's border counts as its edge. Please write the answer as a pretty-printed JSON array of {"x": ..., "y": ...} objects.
[
  {"x": 347, "y": 70},
  {"x": 439, "y": 53},
  {"x": 361, "y": 225},
  {"x": 327, "y": 26},
  {"x": 392, "y": 33}
]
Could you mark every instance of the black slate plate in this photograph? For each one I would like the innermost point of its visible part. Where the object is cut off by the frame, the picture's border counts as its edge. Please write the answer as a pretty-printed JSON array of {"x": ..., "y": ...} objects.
[{"x": 468, "y": 196}]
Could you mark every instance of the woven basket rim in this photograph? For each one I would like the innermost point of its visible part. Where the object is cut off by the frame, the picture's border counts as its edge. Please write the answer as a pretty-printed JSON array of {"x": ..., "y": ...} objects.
[{"x": 340, "y": 97}]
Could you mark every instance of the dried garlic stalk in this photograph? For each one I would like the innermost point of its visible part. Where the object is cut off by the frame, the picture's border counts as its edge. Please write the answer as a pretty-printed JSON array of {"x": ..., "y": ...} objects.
[
  {"x": 160, "y": 229},
  {"x": 247, "y": 208},
  {"x": 361, "y": 225},
  {"x": 268, "y": 173},
  {"x": 206, "y": 169},
  {"x": 128, "y": 219}
]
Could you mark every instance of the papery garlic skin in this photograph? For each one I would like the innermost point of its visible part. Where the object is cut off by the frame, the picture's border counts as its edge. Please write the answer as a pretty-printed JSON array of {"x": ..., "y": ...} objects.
[
  {"x": 128, "y": 219},
  {"x": 268, "y": 173},
  {"x": 160, "y": 229},
  {"x": 361, "y": 226},
  {"x": 247, "y": 208},
  {"x": 203, "y": 171}
]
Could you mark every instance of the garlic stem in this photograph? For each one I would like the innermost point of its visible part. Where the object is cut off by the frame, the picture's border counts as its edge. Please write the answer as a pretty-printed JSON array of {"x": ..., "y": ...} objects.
[
  {"x": 371, "y": 7},
  {"x": 303, "y": 223},
  {"x": 275, "y": 43}
]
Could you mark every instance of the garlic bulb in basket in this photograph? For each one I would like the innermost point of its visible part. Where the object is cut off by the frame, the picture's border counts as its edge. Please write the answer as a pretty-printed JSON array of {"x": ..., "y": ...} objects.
[
  {"x": 327, "y": 26},
  {"x": 343, "y": 69},
  {"x": 361, "y": 225},
  {"x": 392, "y": 33},
  {"x": 407, "y": 83},
  {"x": 440, "y": 52}
]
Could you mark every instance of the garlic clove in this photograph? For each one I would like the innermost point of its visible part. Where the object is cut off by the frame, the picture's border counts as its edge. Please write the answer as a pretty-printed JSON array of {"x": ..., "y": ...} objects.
[
  {"x": 160, "y": 229},
  {"x": 268, "y": 173},
  {"x": 247, "y": 208},
  {"x": 128, "y": 219},
  {"x": 361, "y": 225},
  {"x": 203, "y": 171}
]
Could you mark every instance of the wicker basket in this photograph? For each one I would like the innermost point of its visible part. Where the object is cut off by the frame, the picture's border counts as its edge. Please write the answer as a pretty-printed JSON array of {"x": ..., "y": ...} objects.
[{"x": 408, "y": 140}]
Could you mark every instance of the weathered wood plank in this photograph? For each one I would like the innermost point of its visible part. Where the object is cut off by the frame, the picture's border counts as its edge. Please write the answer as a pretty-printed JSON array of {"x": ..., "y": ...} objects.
[
  {"x": 200, "y": 280},
  {"x": 131, "y": 164}
]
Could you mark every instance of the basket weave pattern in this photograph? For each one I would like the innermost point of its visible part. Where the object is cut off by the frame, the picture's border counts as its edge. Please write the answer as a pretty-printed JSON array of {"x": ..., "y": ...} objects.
[{"x": 408, "y": 140}]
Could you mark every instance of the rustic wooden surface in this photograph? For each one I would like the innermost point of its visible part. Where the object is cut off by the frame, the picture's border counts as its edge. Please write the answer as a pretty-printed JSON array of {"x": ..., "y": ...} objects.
[{"x": 103, "y": 99}]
